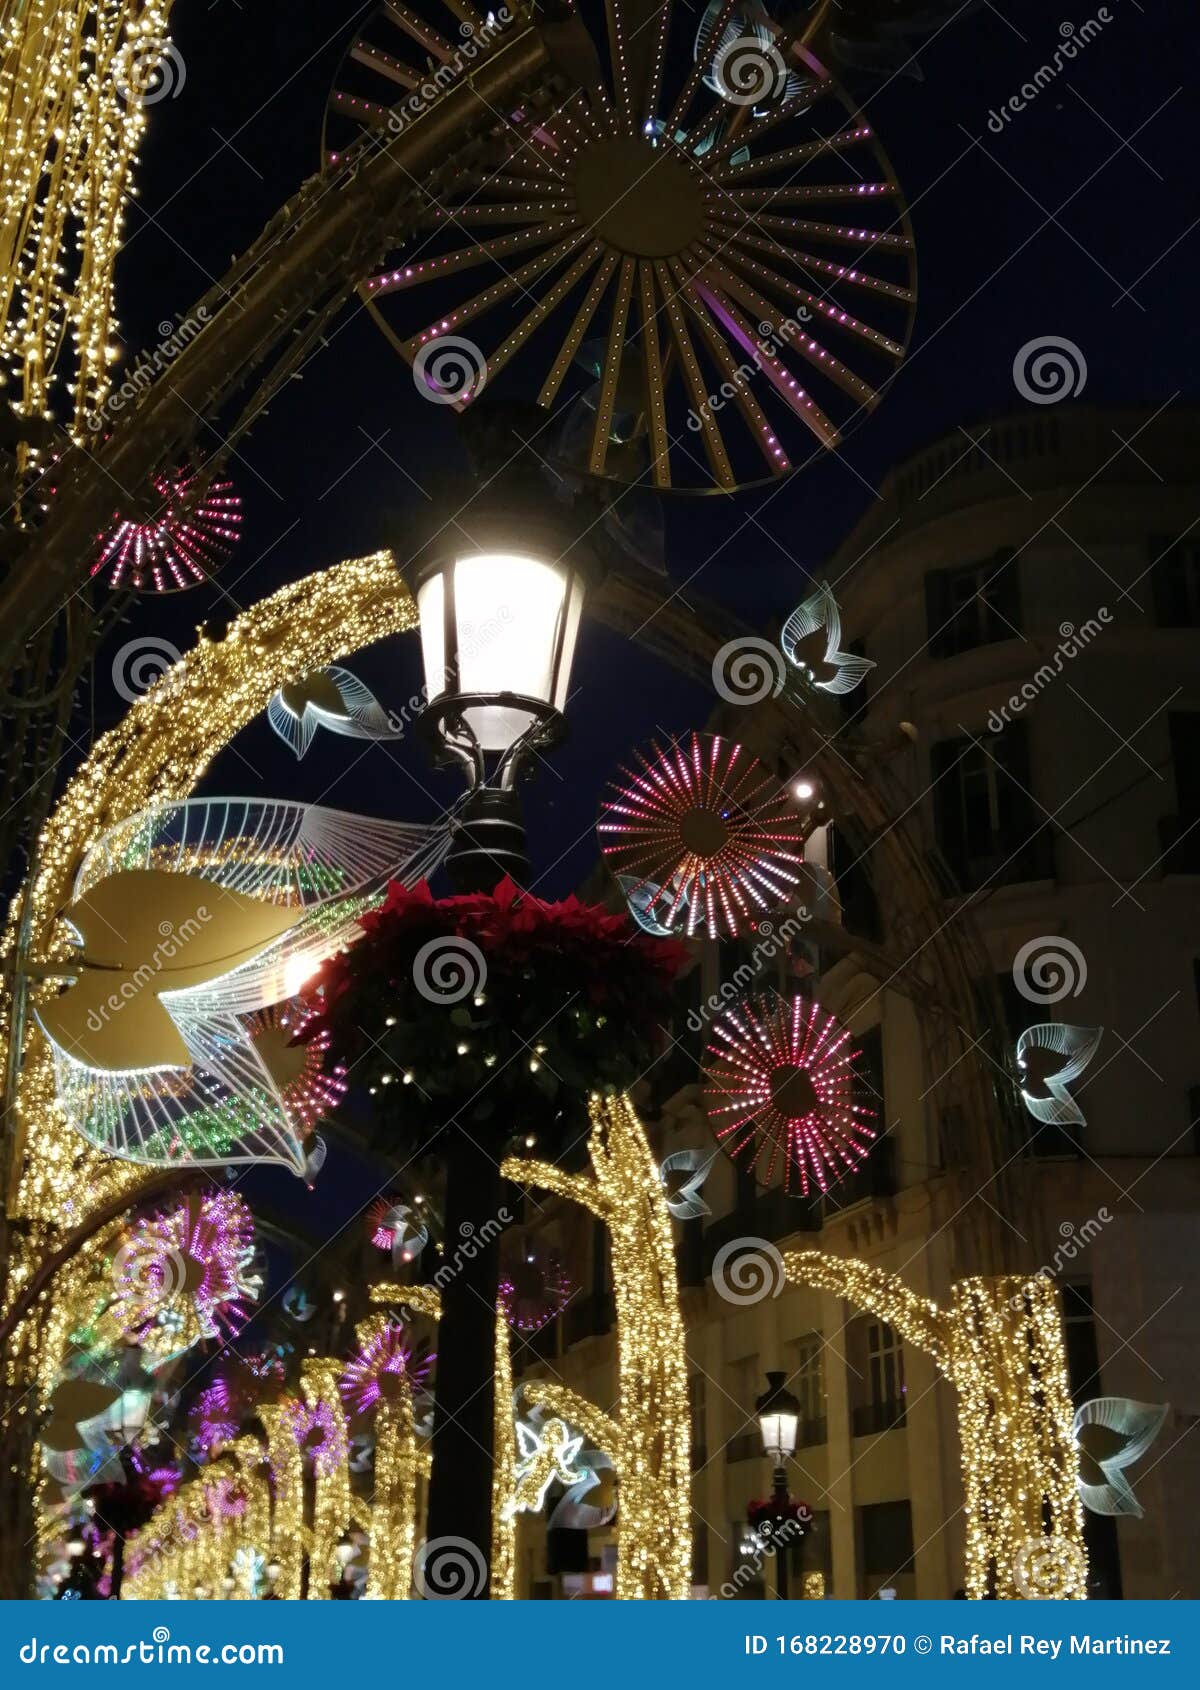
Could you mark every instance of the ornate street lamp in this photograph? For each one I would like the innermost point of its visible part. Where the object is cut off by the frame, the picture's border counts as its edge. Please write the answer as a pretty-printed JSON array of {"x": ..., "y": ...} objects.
[
  {"x": 500, "y": 590},
  {"x": 782, "y": 1519}
]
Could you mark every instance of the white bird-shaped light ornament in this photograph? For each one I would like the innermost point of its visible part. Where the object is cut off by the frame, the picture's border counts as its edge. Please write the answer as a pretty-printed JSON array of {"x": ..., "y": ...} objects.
[
  {"x": 190, "y": 919},
  {"x": 683, "y": 1172},
  {"x": 811, "y": 640},
  {"x": 1112, "y": 1433},
  {"x": 330, "y": 698},
  {"x": 1048, "y": 1056}
]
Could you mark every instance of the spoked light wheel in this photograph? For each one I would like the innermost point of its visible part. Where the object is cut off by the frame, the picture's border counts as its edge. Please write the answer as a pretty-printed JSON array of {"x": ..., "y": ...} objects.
[{"x": 700, "y": 265}]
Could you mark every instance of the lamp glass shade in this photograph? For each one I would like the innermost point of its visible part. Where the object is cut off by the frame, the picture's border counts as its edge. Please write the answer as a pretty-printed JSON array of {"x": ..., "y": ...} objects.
[
  {"x": 499, "y": 622},
  {"x": 779, "y": 1430}
]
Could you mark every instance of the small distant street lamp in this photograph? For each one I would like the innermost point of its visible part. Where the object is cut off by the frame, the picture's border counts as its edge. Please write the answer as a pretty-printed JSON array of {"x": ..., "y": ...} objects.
[{"x": 778, "y": 1413}]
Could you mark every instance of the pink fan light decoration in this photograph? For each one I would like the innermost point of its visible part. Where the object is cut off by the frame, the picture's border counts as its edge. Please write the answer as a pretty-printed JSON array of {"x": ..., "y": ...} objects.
[
  {"x": 705, "y": 832},
  {"x": 385, "y": 1366},
  {"x": 189, "y": 532},
  {"x": 309, "y": 1091},
  {"x": 779, "y": 1085}
]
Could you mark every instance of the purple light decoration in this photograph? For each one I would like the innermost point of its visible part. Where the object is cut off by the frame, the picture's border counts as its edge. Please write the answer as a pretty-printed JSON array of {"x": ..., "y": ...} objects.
[
  {"x": 225, "y": 1497},
  {"x": 320, "y": 1435},
  {"x": 534, "y": 1292},
  {"x": 216, "y": 1422},
  {"x": 779, "y": 1083},
  {"x": 181, "y": 1270},
  {"x": 382, "y": 1368}
]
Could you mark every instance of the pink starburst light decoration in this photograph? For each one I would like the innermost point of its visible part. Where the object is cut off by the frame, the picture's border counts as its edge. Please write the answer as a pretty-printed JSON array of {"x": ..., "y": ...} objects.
[
  {"x": 706, "y": 832},
  {"x": 779, "y": 1086},
  {"x": 388, "y": 1364},
  {"x": 534, "y": 1290},
  {"x": 309, "y": 1092},
  {"x": 189, "y": 534}
]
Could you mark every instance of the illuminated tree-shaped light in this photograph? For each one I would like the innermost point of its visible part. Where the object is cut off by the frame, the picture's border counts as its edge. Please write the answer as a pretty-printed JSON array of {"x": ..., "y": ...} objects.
[
  {"x": 1048, "y": 1056},
  {"x": 811, "y": 640},
  {"x": 389, "y": 1363},
  {"x": 710, "y": 828},
  {"x": 189, "y": 533},
  {"x": 779, "y": 1090},
  {"x": 182, "y": 1275},
  {"x": 1112, "y": 1433}
]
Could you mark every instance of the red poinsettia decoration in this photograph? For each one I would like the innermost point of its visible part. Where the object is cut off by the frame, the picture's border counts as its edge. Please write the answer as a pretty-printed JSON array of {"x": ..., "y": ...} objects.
[
  {"x": 769, "y": 1513},
  {"x": 516, "y": 1004}
]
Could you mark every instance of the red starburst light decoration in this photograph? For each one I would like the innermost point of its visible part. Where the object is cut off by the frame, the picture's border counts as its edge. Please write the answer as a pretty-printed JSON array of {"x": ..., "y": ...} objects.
[
  {"x": 309, "y": 1090},
  {"x": 190, "y": 534},
  {"x": 779, "y": 1086},
  {"x": 387, "y": 1364},
  {"x": 707, "y": 831}
]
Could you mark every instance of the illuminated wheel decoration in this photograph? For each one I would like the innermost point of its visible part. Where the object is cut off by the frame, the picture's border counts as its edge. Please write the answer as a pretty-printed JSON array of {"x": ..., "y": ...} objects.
[
  {"x": 320, "y": 1434},
  {"x": 189, "y": 533},
  {"x": 780, "y": 1094},
  {"x": 388, "y": 1364},
  {"x": 699, "y": 259},
  {"x": 534, "y": 1290},
  {"x": 309, "y": 1092},
  {"x": 706, "y": 832},
  {"x": 183, "y": 1275}
]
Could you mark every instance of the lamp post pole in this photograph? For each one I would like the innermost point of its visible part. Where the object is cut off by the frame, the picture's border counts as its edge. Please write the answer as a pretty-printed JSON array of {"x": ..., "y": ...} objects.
[{"x": 500, "y": 600}]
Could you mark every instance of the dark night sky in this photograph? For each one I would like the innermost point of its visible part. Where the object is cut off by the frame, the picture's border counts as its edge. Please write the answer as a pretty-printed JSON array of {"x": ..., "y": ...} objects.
[{"x": 1035, "y": 231}]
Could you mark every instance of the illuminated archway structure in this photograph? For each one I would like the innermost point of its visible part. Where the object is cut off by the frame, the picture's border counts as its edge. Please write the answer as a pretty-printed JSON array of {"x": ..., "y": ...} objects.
[{"x": 999, "y": 1341}]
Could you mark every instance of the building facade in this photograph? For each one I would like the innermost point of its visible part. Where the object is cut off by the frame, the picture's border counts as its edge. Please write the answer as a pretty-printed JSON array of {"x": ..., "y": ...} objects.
[{"x": 1029, "y": 593}]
